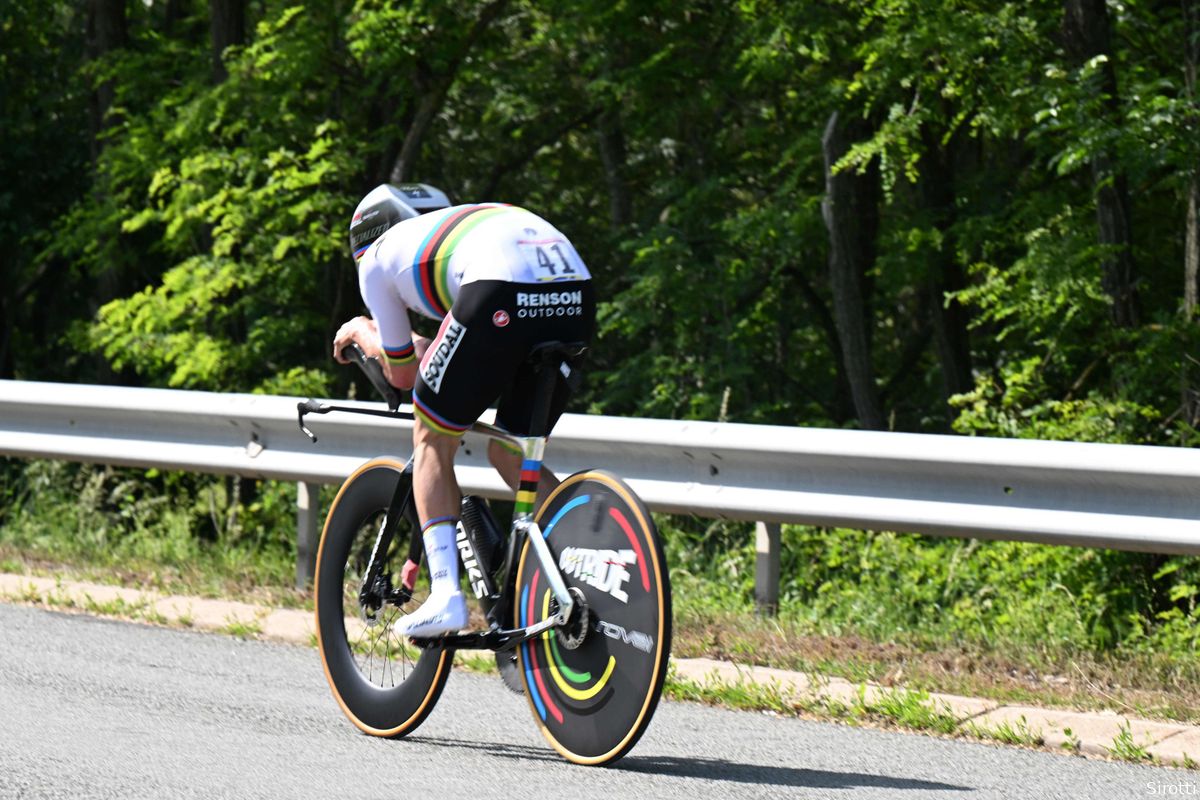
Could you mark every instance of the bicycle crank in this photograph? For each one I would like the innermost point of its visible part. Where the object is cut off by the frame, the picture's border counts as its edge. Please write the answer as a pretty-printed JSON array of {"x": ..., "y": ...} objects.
[{"x": 572, "y": 634}]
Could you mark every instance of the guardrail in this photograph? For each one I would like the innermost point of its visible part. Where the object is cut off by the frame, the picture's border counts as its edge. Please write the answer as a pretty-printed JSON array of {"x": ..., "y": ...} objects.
[{"x": 1116, "y": 496}]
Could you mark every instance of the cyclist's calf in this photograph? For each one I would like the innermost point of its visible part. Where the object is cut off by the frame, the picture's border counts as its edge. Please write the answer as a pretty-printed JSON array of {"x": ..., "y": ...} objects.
[{"x": 508, "y": 463}]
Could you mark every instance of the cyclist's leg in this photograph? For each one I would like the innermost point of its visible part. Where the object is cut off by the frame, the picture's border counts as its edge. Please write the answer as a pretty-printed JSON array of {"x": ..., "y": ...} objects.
[
  {"x": 507, "y": 461},
  {"x": 464, "y": 369},
  {"x": 436, "y": 493}
]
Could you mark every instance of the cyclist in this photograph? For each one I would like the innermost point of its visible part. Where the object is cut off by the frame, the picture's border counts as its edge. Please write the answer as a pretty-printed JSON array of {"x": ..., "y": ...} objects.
[{"x": 500, "y": 280}]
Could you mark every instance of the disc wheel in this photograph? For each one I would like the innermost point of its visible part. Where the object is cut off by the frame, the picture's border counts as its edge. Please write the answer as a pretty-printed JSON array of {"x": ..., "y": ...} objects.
[
  {"x": 384, "y": 684},
  {"x": 594, "y": 695}
]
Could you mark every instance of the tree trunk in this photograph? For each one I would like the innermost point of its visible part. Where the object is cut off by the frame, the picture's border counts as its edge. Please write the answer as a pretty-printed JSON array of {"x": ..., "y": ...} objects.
[
  {"x": 1191, "y": 255},
  {"x": 613, "y": 156},
  {"x": 227, "y": 23},
  {"x": 841, "y": 407},
  {"x": 106, "y": 31},
  {"x": 851, "y": 212},
  {"x": 1191, "y": 261},
  {"x": 173, "y": 14},
  {"x": 950, "y": 320},
  {"x": 1086, "y": 34},
  {"x": 428, "y": 106},
  {"x": 432, "y": 91}
]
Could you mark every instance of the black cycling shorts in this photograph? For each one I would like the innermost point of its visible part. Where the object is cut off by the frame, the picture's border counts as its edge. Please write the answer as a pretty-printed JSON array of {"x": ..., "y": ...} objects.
[{"x": 479, "y": 354}]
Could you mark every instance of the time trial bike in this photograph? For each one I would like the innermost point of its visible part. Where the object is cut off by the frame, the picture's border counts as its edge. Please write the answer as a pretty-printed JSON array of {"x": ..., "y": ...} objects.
[{"x": 575, "y": 600}]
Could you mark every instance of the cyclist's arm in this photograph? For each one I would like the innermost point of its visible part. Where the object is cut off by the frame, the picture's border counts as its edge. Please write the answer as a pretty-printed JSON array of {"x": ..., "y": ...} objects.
[
  {"x": 364, "y": 332},
  {"x": 403, "y": 376},
  {"x": 392, "y": 339}
]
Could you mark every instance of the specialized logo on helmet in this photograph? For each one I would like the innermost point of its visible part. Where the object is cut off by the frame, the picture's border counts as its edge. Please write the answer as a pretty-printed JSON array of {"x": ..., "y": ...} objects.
[
  {"x": 362, "y": 216},
  {"x": 500, "y": 318}
]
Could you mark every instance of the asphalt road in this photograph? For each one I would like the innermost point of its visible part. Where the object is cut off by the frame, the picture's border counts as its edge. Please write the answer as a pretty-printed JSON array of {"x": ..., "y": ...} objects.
[{"x": 95, "y": 708}]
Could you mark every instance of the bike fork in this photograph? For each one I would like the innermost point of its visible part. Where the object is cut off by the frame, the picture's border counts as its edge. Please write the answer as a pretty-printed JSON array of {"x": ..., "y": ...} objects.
[{"x": 398, "y": 507}]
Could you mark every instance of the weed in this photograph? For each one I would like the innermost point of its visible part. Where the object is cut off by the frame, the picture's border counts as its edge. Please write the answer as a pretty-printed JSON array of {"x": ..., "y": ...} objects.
[
  {"x": 1017, "y": 732},
  {"x": 242, "y": 629},
  {"x": 1072, "y": 743},
  {"x": 912, "y": 709},
  {"x": 908, "y": 709},
  {"x": 116, "y": 607},
  {"x": 153, "y": 615},
  {"x": 1125, "y": 748},
  {"x": 739, "y": 694}
]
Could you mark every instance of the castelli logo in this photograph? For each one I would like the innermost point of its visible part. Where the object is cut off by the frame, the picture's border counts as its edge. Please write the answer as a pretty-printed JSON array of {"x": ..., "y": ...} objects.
[{"x": 500, "y": 319}]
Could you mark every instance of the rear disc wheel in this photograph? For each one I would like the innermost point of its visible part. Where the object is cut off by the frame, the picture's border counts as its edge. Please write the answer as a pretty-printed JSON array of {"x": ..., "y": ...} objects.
[{"x": 594, "y": 700}]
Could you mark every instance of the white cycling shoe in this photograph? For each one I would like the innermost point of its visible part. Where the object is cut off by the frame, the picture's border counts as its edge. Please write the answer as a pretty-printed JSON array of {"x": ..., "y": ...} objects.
[{"x": 443, "y": 612}]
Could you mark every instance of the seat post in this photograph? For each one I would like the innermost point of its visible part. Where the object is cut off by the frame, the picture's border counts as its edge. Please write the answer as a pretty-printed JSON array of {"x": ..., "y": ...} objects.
[
  {"x": 546, "y": 375},
  {"x": 547, "y": 360}
]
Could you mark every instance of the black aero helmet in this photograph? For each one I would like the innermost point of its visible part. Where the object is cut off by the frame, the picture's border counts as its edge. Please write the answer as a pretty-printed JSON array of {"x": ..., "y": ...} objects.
[{"x": 387, "y": 205}]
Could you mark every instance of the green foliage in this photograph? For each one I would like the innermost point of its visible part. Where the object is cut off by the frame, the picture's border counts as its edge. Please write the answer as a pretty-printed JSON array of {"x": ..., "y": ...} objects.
[
  {"x": 160, "y": 522},
  {"x": 201, "y": 244}
]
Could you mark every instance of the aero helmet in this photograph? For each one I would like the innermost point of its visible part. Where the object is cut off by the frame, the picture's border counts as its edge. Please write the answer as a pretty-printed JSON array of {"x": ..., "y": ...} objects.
[{"x": 387, "y": 205}]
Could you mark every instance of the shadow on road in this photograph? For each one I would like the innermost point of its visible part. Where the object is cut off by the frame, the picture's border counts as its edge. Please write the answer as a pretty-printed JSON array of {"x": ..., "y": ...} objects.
[
  {"x": 721, "y": 770},
  {"x": 713, "y": 769}
]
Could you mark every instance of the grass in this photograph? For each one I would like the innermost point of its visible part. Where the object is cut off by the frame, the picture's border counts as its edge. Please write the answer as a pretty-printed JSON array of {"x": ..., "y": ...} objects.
[
  {"x": 1126, "y": 749},
  {"x": 241, "y": 628},
  {"x": 115, "y": 607},
  {"x": 1015, "y": 733}
]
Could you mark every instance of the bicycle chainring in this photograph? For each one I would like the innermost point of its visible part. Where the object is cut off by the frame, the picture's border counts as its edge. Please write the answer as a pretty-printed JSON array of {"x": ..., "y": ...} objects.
[
  {"x": 510, "y": 670},
  {"x": 572, "y": 634}
]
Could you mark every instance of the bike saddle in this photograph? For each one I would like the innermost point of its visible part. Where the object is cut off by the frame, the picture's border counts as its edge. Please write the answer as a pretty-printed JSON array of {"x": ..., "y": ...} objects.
[{"x": 556, "y": 352}]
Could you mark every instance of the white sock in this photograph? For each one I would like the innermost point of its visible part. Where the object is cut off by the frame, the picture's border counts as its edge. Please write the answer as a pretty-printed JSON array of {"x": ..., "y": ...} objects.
[
  {"x": 445, "y": 610},
  {"x": 441, "y": 556}
]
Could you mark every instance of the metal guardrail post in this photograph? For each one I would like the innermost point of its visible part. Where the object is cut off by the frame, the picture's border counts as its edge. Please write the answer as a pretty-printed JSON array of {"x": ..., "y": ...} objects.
[
  {"x": 766, "y": 567},
  {"x": 308, "y": 512}
]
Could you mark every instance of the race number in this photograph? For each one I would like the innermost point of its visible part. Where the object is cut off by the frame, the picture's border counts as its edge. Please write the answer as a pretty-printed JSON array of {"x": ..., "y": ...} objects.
[{"x": 550, "y": 259}]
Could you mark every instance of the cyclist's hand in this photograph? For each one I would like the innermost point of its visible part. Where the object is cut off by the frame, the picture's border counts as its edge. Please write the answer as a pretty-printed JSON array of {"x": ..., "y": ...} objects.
[{"x": 360, "y": 331}]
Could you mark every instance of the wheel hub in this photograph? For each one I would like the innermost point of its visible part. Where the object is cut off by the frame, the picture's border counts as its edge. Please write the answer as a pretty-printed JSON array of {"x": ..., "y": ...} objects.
[{"x": 573, "y": 633}]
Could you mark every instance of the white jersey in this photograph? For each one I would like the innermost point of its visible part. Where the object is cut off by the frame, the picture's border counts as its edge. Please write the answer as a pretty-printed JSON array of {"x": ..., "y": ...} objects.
[{"x": 421, "y": 263}]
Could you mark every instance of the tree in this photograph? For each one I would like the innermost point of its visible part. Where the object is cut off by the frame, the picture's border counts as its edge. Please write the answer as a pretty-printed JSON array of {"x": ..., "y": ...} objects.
[
  {"x": 227, "y": 25},
  {"x": 851, "y": 214},
  {"x": 1086, "y": 33}
]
